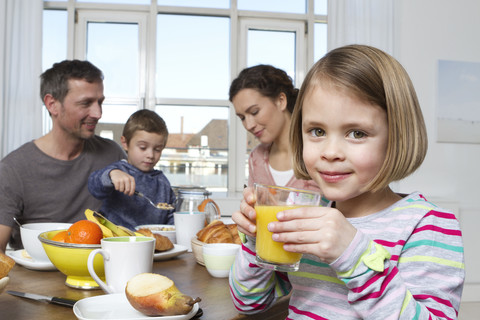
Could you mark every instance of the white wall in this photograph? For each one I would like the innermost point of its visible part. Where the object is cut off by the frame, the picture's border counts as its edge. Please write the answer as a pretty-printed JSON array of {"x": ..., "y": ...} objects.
[{"x": 427, "y": 31}]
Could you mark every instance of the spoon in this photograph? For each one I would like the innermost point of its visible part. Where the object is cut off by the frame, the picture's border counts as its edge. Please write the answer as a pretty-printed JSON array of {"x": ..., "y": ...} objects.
[
  {"x": 160, "y": 205},
  {"x": 19, "y": 224}
]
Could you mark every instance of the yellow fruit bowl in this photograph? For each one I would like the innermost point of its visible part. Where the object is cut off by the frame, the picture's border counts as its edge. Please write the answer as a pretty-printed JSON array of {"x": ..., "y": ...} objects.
[{"x": 71, "y": 260}]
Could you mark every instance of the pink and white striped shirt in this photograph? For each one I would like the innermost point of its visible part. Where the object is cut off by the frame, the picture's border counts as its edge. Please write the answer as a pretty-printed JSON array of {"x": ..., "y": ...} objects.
[{"x": 405, "y": 262}]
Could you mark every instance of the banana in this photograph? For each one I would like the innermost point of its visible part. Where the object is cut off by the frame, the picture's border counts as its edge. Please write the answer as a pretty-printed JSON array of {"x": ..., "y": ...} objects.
[
  {"x": 107, "y": 233},
  {"x": 138, "y": 234},
  {"x": 116, "y": 230},
  {"x": 109, "y": 229}
]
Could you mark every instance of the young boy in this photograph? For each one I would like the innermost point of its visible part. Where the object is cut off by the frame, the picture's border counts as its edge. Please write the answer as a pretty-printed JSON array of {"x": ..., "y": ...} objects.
[{"x": 144, "y": 137}]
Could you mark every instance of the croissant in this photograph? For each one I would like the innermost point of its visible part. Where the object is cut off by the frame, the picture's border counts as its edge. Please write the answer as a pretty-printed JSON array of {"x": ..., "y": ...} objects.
[
  {"x": 202, "y": 234},
  {"x": 234, "y": 231},
  {"x": 218, "y": 232},
  {"x": 162, "y": 243}
]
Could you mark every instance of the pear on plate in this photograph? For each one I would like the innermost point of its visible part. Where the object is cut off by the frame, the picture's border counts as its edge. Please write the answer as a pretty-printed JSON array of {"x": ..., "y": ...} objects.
[{"x": 156, "y": 295}]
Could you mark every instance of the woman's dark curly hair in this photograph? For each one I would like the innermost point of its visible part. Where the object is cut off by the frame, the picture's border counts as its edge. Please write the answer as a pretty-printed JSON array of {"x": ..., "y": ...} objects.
[{"x": 268, "y": 81}]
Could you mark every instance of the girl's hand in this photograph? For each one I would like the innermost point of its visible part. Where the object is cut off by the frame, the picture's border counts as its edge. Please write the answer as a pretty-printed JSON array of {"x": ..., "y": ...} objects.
[
  {"x": 323, "y": 232},
  {"x": 246, "y": 217},
  {"x": 123, "y": 182}
]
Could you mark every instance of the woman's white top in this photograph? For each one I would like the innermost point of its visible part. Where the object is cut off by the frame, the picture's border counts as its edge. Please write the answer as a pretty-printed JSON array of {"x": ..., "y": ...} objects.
[{"x": 281, "y": 178}]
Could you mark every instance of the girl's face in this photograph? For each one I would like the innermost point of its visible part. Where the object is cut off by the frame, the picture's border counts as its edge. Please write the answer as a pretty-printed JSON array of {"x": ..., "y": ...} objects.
[
  {"x": 344, "y": 141},
  {"x": 260, "y": 115},
  {"x": 144, "y": 149}
]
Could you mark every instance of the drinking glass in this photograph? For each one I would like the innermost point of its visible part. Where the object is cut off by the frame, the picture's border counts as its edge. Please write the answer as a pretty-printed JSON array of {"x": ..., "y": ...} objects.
[{"x": 271, "y": 200}]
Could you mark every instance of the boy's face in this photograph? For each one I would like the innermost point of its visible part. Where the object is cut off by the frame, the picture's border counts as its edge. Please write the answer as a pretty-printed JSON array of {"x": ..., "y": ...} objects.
[
  {"x": 144, "y": 149},
  {"x": 344, "y": 142}
]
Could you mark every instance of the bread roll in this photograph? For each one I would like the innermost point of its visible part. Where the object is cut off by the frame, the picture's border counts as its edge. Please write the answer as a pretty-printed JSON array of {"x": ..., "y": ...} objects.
[
  {"x": 162, "y": 243},
  {"x": 218, "y": 232},
  {"x": 6, "y": 264}
]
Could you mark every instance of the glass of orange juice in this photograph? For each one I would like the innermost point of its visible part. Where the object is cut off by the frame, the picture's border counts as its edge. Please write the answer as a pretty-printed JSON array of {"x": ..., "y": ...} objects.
[{"x": 271, "y": 200}]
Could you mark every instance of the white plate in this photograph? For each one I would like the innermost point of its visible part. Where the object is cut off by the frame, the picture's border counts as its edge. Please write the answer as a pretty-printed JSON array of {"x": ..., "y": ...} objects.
[
  {"x": 116, "y": 306},
  {"x": 29, "y": 263},
  {"x": 176, "y": 251},
  {"x": 157, "y": 229},
  {"x": 3, "y": 283}
]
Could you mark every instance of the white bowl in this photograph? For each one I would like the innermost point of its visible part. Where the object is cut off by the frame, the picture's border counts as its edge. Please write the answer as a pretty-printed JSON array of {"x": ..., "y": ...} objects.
[
  {"x": 219, "y": 257},
  {"x": 29, "y": 233},
  {"x": 166, "y": 230}
]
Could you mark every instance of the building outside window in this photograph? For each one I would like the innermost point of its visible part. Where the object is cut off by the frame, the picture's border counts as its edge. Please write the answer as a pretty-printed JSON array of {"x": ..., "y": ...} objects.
[{"x": 178, "y": 58}]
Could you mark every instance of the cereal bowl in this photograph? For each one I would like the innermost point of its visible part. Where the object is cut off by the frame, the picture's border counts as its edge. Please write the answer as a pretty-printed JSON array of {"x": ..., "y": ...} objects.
[
  {"x": 29, "y": 234},
  {"x": 219, "y": 258},
  {"x": 71, "y": 260}
]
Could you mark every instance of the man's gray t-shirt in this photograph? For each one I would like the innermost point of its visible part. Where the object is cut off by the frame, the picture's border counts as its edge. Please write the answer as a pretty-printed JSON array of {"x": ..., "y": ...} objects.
[{"x": 35, "y": 187}]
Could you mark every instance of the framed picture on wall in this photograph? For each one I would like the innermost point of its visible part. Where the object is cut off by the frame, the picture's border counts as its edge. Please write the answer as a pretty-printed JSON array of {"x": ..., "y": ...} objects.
[{"x": 458, "y": 102}]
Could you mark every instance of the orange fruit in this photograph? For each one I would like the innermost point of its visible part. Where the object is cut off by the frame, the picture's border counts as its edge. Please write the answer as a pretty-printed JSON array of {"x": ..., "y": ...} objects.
[
  {"x": 84, "y": 231},
  {"x": 61, "y": 236}
]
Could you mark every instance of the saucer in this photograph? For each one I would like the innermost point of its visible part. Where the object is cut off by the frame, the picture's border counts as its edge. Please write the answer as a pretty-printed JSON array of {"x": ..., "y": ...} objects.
[
  {"x": 176, "y": 251},
  {"x": 25, "y": 261},
  {"x": 116, "y": 306}
]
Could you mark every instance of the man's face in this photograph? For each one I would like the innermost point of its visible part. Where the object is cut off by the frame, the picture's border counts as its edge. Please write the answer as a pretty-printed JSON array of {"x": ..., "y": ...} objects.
[{"x": 81, "y": 109}]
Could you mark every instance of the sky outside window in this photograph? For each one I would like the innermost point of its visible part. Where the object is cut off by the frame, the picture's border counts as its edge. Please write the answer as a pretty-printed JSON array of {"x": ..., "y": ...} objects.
[
  {"x": 276, "y": 48},
  {"x": 108, "y": 52},
  {"x": 54, "y": 37},
  {"x": 287, "y": 6},
  {"x": 193, "y": 57}
]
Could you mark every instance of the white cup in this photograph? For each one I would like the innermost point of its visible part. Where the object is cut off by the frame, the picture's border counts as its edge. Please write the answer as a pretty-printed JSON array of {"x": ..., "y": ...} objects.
[
  {"x": 187, "y": 224},
  {"x": 123, "y": 258},
  {"x": 219, "y": 258},
  {"x": 29, "y": 234}
]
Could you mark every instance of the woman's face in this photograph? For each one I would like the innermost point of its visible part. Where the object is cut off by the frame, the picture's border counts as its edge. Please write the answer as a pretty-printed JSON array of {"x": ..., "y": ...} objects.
[
  {"x": 344, "y": 142},
  {"x": 260, "y": 115}
]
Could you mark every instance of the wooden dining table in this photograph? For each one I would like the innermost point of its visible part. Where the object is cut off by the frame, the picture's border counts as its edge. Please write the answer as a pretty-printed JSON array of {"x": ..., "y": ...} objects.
[{"x": 190, "y": 277}]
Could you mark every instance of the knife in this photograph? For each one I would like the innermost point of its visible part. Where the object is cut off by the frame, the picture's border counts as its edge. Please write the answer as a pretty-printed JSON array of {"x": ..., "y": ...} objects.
[{"x": 55, "y": 300}]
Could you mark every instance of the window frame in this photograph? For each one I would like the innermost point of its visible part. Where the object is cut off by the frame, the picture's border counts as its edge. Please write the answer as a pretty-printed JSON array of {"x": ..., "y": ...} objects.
[
  {"x": 85, "y": 16},
  {"x": 237, "y": 134}
]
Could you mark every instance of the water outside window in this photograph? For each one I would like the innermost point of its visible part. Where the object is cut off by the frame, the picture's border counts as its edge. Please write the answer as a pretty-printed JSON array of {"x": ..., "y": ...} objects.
[{"x": 197, "y": 148}]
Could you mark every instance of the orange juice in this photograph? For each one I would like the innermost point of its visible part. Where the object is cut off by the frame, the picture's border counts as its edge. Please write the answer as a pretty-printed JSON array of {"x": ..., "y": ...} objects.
[{"x": 266, "y": 248}]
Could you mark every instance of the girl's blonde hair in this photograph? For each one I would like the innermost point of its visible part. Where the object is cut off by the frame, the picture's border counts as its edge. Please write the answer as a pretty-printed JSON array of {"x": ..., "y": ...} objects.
[{"x": 373, "y": 76}]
